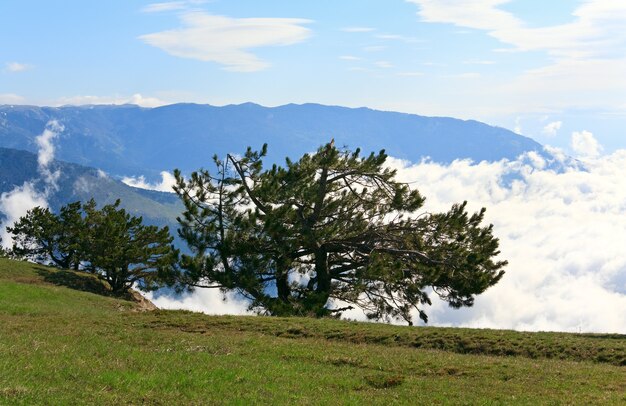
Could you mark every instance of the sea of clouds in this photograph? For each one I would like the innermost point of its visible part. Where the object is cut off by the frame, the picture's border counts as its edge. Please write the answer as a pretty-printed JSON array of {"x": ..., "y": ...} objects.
[
  {"x": 562, "y": 227},
  {"x": 562, "y": 230}
]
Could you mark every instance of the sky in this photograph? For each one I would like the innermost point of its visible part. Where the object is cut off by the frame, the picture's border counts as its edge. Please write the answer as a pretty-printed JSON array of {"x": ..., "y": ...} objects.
[
  {"x": 543, "y": 69},
  {"x": 553, "y": 71}
]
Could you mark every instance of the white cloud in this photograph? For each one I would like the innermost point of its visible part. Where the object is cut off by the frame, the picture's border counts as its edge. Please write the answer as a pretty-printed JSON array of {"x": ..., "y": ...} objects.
[
  {"x": 349, "y": 58},
  {"x": 10, "y": 98},
  {"x": 596, "y": 29},
  {"x": 165, "y": 6},
  {"x": 465, "y": 75},
  {"x": 396, "y": 37},
  {"x": 384, "y": 64},
  {"x": 357, "y": 29},
  {"x": 562, "y": 234},
  {"x": 477, "y": 14},
  {"x": 584, "y": 57},
  {"x": 226, "y": 40},
  {"x": 478, "y": 62},
  {"x": 167, "y": 182},
  {"x": 209, "y": 301},
  {"x": 552, "y": 128},
  {"x": 585, "y": 145},
  {"x": 415, "y": 73},
  {"x": 173, "y": 6},
  {"x": 137, "y": 99},
  {"x": 17, "y": 202},
  {"x": 45, "y": 153},
  {"x": 374, "y": 48},
  {"x": 15, "y": 67}
]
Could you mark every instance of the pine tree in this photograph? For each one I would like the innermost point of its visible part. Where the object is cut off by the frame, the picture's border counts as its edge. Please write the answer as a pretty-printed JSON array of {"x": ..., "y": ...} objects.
[
  {"x": 123, "y": 251},
  {"x": 332, "y": 229},
  {"x": 44, "y": 237}
]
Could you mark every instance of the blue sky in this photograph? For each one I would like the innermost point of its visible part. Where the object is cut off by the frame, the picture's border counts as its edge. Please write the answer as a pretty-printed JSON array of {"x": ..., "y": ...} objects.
[{"x": 545, "y": 69}]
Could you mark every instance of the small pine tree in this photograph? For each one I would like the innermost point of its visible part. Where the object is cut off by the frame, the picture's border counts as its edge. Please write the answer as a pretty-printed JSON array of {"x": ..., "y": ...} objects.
[
  {"x": 124, "y": 251},
  {"x": 45, "y": 237}
]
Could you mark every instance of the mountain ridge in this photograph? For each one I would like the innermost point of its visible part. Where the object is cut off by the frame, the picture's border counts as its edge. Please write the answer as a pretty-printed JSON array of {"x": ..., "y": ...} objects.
[{"x": 128, "y": 140}]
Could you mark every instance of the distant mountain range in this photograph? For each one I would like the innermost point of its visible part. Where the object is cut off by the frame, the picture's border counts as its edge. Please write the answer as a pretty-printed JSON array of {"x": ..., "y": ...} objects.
[{"x": 130, "y": 140}]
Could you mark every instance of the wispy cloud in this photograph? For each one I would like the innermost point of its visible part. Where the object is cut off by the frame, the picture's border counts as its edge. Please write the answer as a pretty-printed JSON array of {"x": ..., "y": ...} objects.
[
  {"x": 11, "y": 98},
  {"x": 396, "y": 37},
  {"x": 552, "y": 128},
  {"x": 409, "y": 74},
  {"x": 478, "y": 62},
  {"x": 137, "y": 99},
  {"x": 374, "y": 48},
  {"x": 45, "y": 155},
  {"x": 167, "y": 182},
  {"x": 228, "y": 41},
  {"x": 350, "y": 58},
  {"x": 15, "y": 203},
  {"x": 465, "y": 75},
  {"x": 15, "y": 67},
  {"x": 596, "y": 29},
  {"x": 357, "y": 29},
  {"x": 583, "y": 56},
  {"x": 172, "y": 6},
  {"x": 383, "y": 64}
]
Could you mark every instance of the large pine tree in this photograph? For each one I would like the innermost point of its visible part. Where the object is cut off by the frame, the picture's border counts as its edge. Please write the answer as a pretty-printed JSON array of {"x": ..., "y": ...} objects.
[{"x": 328, "y": 232}]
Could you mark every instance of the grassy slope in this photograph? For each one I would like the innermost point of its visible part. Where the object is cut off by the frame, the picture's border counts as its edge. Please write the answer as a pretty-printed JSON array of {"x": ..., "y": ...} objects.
[{"x": 61, "y": 346}]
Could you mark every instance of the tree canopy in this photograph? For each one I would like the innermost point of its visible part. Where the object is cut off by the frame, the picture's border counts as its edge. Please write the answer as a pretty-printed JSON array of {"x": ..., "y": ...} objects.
[
  {"x": 43, "y": 236},
  {"x": 328, "y": 232},
  {"x": 108, "y": 242}
]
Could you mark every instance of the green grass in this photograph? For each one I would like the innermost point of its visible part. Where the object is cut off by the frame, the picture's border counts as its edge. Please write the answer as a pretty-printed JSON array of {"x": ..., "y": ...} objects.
[{"x": 62, "y": 345}]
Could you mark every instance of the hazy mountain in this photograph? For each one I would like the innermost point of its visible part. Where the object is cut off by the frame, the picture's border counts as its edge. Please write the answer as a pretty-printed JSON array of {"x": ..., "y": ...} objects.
[
  {"x": 130, "y": 140},
  {"x": 77, "y": 182}
]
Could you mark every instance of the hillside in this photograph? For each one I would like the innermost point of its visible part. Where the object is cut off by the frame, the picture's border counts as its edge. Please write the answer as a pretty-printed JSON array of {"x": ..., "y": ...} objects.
[
  {"x": 130, "y": 140},
  {"x": 62, "y": 344},
  {"x": 82, "y": 183}
]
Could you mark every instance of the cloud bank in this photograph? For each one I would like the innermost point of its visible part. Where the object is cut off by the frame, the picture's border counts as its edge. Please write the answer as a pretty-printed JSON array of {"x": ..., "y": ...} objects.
[
  {"x": 227, "y": 41},
  {"x": 562, "y": 234}
]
